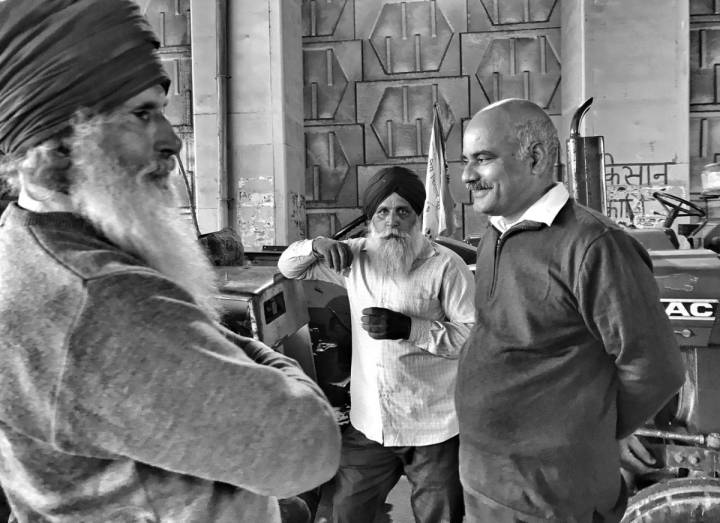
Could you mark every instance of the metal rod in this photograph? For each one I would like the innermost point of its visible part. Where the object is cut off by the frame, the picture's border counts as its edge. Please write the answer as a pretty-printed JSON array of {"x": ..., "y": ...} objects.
[
  {"x": 405, "y": 104},
  {"x": 390, "y": 145},
  {"x": 418, "y": 65},
  {"x": 316, "y": 182},
  {"x": 314, "y": 101},
  {"x": 162, "y": 29},
  {"x": 221, "y": 68},
  {"x": 433, "y": 19},
  {"x": 329, "y": 67},
  {"x": 403, "y": 20},
  {"x": 513, "y": 56},
  {"x": 313, "y": 18},
  {"x": 418, "y": 136},
  {"x": 331, "y": 150},
  {"x": 697, "y": 439}
]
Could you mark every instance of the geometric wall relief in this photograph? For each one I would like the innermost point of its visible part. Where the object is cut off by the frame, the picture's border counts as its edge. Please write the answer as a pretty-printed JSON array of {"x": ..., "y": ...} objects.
[
  {"x": 403, "y": 121},
  {"x": 328, "y": 19},
  {"x": 413, "y": 39},
  {"x": 493, "y": 15},
  {"x": 704, "y": 145},
  {"x": 178, "y": 66},
  {"x": 331, "y": 156},
  {"x": 326, "y": 222},
  {"x": 513, "y": 64},
  {"x": 330, "y": 71},
  {"x": 704, "y": 68},
  {"x": 170, "y": 19},
  {"x": 703, "y": 7},
  {"x": 398, "y": 117},
  {"x": 410, "y": 37}
]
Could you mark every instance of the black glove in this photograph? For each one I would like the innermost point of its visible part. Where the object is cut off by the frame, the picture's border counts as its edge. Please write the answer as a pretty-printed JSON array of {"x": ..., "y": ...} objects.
[
  {"x": 384, "y": 324},
  {"x": 337, "y": 255}
]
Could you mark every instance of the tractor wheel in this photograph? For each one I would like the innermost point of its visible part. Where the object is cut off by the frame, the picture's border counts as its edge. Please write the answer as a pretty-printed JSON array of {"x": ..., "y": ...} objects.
[{"x": 683, "y": 500}]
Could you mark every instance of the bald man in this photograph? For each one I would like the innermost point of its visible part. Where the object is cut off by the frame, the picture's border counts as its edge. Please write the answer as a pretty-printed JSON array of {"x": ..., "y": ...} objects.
[
  {"x": 122, "y": 399},
  {"x": 571, "y": 350},
  {"x": 411, "y": 307}
]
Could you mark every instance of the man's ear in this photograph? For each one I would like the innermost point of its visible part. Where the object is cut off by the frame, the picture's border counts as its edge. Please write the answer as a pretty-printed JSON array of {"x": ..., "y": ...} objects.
[{"x": 538, "y": 158}]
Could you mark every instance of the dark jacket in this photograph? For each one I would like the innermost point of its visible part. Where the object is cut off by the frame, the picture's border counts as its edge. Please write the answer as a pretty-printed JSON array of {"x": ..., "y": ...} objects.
[{"x": 571, "y": 350}]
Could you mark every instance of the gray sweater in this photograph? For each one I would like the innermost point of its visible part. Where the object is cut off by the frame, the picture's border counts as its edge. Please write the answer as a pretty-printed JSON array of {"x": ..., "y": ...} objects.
[
  {"x": 120, "y": 400},
  {"x": 571, "y": 350}
]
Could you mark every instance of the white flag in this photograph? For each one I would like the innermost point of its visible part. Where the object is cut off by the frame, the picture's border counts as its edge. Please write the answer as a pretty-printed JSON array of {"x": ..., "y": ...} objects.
[{"x": 438, "y": 213}]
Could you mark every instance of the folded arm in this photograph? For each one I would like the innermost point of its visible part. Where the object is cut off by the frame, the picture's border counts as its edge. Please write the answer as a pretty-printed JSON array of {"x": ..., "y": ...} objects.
[{"x": 149, "y": 377}]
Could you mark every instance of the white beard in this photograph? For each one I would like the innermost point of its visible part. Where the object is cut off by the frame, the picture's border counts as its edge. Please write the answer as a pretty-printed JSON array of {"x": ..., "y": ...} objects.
[
  {"x": 139, "y": 212},
  {"x": 393, "y": 252}
]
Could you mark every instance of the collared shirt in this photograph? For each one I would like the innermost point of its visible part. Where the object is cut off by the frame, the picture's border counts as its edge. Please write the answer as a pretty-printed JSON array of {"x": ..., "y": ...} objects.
[
  {"x": 544, "y": 210},
  {"x": 401, "y": 390}
]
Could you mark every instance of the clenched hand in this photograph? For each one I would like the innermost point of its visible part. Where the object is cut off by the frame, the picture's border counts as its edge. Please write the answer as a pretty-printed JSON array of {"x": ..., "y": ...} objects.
[
  {"x": 384, "y": 324},
  {"x": 337, "y": 255}
]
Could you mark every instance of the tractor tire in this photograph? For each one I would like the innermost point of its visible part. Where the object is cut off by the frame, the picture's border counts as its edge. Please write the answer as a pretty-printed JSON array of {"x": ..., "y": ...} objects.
[{"x": 683, "y": 500}]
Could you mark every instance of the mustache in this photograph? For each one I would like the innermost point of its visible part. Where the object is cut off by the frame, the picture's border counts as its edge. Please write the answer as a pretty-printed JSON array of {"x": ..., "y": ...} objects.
[
  {"x": 393, "y": 234},
  {"x": 478, "y": 186},
  {"x": 158, "y": 169}
]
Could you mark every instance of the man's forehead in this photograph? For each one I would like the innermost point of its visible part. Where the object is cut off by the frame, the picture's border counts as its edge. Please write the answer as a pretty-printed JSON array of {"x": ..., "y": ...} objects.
[
  {"x": 152, "y": 96},
  {"x": 394, "y": 200},
  {"x": 488, "y": 131}
]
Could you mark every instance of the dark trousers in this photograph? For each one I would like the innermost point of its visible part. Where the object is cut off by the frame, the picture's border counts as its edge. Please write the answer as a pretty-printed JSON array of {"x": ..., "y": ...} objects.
[
  {"x": 368, "y": 471},
  {"x": 485, "y": 510}
]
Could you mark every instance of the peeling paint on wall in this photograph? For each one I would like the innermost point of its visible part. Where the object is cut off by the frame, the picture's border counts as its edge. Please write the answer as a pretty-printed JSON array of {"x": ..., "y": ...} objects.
[
  {"x": 255, "y": 203},
  {"x": 297, "y": 214}
]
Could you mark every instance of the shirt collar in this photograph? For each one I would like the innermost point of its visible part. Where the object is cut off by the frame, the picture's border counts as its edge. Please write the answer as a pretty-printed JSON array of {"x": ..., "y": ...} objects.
[{"x": 544, "y": 210}]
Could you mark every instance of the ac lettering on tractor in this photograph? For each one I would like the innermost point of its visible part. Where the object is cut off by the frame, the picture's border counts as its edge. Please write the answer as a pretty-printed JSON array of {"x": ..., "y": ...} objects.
[{"x": 691, "y": 309}]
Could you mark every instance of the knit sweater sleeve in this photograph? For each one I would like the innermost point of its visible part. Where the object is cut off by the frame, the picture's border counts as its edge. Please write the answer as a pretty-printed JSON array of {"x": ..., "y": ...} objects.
[
  {"x": 148, "y": 376},
  {"x": 618, "y": 297}
]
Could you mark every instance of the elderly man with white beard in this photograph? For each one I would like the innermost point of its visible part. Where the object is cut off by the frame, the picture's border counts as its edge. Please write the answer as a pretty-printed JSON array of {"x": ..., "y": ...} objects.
[
  {"x": 121, "y": 397},
  {"x": 411, "y": 306}
]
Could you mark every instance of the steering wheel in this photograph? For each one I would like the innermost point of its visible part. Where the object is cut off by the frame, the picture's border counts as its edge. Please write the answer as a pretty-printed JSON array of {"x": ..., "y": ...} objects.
[{"x": 677, "y": 207}]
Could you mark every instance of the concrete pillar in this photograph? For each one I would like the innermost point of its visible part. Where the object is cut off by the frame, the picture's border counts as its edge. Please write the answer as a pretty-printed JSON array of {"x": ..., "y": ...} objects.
[
  {"x": 266, "y": 121},
  {"x": 265, "y": 160},
  {"x": 205, "y": 113},
  {"x": 631, "y": 56}
]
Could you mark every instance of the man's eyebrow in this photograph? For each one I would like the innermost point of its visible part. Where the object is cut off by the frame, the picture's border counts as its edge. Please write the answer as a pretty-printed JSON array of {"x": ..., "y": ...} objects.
[
  {"x": 483, "y": 152},
  {"x": 148, "y": 106}
]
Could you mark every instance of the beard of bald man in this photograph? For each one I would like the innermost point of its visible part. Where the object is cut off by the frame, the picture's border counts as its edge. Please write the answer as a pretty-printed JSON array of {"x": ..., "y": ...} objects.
[
  {"x": 138, "y": 210},
  {"x": 391, "y": 251}
]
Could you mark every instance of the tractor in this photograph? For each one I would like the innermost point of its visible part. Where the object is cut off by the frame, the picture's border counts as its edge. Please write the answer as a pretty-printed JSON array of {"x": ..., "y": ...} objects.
[{"x": 684, "y": 437}]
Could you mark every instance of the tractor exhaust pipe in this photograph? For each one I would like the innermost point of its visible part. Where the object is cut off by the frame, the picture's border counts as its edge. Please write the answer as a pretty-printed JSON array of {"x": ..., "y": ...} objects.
[{"x": 586, "y": 164}]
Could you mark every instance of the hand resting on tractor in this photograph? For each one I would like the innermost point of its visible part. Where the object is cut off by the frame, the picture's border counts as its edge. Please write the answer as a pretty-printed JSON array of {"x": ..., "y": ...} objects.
[{"x": 337, "y": 255}]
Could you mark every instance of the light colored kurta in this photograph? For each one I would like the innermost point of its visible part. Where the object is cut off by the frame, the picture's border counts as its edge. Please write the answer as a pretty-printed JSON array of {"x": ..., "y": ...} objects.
[{"x": 401, "y": 390}]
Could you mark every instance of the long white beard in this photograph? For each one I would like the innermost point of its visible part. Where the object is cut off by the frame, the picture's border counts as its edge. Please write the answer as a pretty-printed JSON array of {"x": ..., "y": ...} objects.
[
  {"x": 138, "y": 211},
  {"x": 393, "y": 252}
]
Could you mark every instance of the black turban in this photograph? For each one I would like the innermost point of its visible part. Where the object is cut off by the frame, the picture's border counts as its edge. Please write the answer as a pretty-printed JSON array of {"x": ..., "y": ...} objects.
[
  {"x": 57, "y": 56},
  {"x": 391, "y": 180}
]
